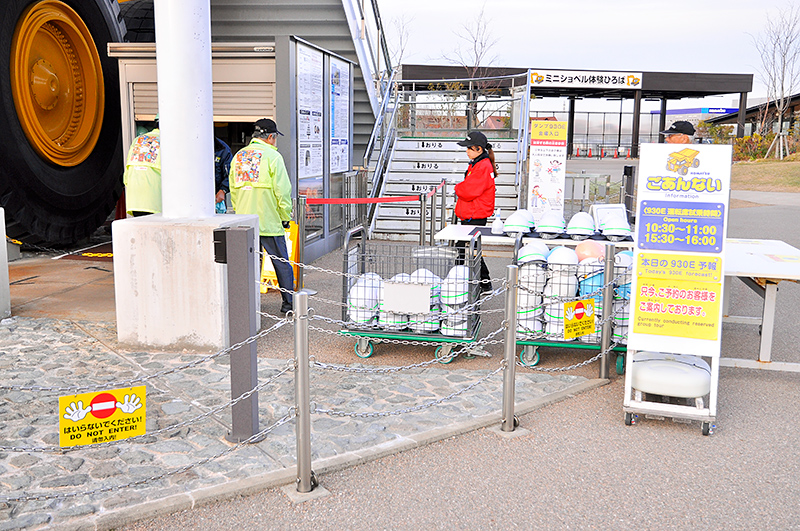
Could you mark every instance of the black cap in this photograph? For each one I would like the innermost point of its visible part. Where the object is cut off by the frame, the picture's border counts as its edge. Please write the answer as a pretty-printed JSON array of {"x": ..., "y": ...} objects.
[
  {"x": 267, "y": 127},
  {"x": 474, "y": 138},
  {"x": 679, "y": 128}
]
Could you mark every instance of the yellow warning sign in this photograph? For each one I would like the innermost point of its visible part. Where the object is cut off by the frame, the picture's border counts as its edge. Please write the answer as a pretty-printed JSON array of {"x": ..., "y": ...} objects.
[
  {"x": 578, "y": 318},
  {"x": 102, "y": 416}
]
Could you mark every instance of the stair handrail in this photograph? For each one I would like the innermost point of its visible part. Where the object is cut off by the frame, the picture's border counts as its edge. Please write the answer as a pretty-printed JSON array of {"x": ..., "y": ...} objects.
[
  {"x": 382, "y": 163},
  {"x": 379, "y": 119},
  {"x": 522, "y": 141}
]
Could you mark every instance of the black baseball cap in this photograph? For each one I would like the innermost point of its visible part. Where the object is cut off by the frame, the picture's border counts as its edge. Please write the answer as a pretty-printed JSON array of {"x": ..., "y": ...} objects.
[
  {"x": 474, "y": 138},
  {"x": 679, "y": 128},
  {"x": 267, "y": 126}
]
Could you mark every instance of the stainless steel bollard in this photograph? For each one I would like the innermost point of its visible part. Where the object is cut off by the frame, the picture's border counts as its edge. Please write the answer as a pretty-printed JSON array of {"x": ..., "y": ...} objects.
[
  {"x": 423, "y": 207},
  {"x": 443, "y": 208},
  {"x": 301, "y": 240},
  {"x": 302, "y": 393},
  {"x": 608, "y": 309},
  {"x": 509, "y": 374},
  {"x": 433, "y": 219}
]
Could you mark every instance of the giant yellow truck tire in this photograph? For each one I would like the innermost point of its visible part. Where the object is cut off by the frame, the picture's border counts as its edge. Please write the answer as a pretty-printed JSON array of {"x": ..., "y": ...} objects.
[{"x": 61, "y": 158}]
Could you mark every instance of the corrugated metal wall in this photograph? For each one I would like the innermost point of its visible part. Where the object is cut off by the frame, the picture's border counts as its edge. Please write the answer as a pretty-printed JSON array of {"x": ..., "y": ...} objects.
[{"x": 321, "y": 22}]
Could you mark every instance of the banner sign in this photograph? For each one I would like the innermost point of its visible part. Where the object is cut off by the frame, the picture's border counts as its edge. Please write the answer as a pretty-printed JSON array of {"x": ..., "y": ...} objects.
[
  {"x": 547, "y": 160},
  {"x": 585, "y": 79},
  {"x": 102, "y": 416},
  {"x": 678, "y": 269}
]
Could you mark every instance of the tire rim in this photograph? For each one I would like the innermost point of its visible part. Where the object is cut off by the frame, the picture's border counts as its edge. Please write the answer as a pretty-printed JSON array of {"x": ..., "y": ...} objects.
[{"x": 57, "y": 83}]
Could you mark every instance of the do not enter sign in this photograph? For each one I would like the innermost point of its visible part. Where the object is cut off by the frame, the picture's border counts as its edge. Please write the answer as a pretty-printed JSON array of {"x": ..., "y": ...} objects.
[{"x": 578, "y": 318}]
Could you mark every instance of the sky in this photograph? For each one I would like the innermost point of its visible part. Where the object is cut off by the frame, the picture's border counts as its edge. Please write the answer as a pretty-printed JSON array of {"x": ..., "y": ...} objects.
[{"x": 630, "y": 35}]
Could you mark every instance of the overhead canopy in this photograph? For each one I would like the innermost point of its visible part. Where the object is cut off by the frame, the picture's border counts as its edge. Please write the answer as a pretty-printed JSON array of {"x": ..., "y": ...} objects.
[{"x": 661, "y": 85}]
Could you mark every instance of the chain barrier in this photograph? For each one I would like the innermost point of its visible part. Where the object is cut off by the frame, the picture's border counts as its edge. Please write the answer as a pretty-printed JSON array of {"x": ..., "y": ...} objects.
[
  {"x": 142, "y": 379},
  {"x": 412, "y": 409},
  {"x": 173, "y": 427},
  {"x": 50, "y": 250},
  {"x": 571, "y": 367},
  {"x": 309, "y": 267},
  {"x": 465, "y": 347},
  {"x": 67, "y": 495}
]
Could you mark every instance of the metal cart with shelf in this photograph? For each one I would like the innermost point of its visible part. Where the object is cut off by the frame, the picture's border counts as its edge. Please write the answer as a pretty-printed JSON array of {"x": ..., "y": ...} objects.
[{"x": 373, "y": 310}]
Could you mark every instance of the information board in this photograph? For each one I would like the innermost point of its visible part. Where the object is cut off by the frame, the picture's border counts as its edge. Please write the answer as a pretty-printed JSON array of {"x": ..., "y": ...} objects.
[
  {"x": 678, "y": 269},
  {"x": 547, "y": 163},
  {"x": 340, "y": 116},
  {"x": 309, "y": 111}
]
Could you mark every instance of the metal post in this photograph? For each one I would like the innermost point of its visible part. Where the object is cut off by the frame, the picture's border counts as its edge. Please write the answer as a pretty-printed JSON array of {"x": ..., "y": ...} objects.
[
  {"x": 608, "y": 309},
  {"x": 302, "y": 393},
  {"x": 443, "y": 208},
  {"x": 234, "y": 246},
  {"x": 509, "y": 373},
  {"x": 423, "y": 206},
  {"x": 433, "y": 219},
  {"x": 301, "y": 245}
]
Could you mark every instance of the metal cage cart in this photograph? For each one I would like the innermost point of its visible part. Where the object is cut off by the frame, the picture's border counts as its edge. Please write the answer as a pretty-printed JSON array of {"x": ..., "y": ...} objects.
[
  {"x": 410, "y": 292},
  {"x": 543, "y": 288}
]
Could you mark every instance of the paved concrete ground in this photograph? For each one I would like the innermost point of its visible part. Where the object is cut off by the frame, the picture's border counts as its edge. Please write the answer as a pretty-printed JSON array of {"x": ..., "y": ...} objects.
[{"x": 579, "y": 466}]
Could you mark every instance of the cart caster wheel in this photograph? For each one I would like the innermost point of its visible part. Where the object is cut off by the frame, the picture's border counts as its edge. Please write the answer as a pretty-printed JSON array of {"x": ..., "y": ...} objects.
[
  {"x": 442, "y": 354},
  {"x": 365, "y": 351},
  {"x": 529, "y": 356},
  {"x": 630, "y": 419},
  {"x": 620, "y": 364},
  {"x": 708, "y": 428}
]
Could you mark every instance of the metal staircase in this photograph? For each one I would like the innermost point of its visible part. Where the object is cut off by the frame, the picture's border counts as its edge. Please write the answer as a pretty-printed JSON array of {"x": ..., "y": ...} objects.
[{"x": 406, "y": 158}]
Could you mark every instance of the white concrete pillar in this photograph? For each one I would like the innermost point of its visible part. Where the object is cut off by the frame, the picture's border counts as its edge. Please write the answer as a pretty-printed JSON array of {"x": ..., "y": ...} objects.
[{"x": 185, "y": 105}]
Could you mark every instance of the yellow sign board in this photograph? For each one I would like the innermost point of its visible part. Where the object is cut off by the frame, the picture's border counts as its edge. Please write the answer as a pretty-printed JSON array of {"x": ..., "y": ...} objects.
[
  {"x": 679, "y": 267},
  {"x": 102, "y": 416},
  {"x": 579, "y": 318},
  {"x": 547, "y": 130},
  {"x": 677, "y": 308}
]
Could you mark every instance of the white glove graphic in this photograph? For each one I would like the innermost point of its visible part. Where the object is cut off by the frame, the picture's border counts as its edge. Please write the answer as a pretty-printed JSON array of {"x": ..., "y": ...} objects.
[
  {"x": 589, "y": 310},
  {"x": 75, "y": 412},
  {"x": 570, "y": 313},
  {"x": 130, "y": 404}
]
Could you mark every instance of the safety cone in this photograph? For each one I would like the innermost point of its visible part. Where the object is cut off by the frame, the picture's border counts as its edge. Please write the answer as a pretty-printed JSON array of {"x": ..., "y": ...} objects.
[
  {"x": 616, "y": 153},
  {"x": 628, "y": 154},
  {"x": 590, "y": 153},
  {"x": 603, "y": 153},
  {"x": 578, "y": 153}
]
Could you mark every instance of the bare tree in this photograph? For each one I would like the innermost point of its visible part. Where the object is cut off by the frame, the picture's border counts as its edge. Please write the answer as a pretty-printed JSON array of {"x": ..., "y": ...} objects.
[
  {"x": 473, "y": 51},
  {"x": 779, "y": 48},
  {"x": 398, "y": 39}
]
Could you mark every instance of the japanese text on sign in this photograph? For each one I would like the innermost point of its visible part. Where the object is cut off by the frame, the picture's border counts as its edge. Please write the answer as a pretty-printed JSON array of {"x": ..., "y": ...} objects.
[
  {"x": 91, "y": 418},
  {"x": 579, "y": 318},
  {"x": 679, "y": 267},
  {"x": 672, "y": 226},
  {"x": 677, "y": 308}
]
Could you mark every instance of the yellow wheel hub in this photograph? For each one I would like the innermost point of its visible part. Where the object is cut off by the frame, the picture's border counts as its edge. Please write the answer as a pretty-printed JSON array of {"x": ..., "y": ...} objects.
[{"x": 57, "y": 82}]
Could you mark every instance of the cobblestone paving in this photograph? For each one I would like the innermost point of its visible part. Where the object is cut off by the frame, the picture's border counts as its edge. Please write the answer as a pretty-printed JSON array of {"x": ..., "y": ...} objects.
[{"x": 52, "y": 353}]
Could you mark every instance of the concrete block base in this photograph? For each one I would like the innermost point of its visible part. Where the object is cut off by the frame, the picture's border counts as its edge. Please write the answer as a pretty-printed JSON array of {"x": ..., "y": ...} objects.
[
  {"x": 300, "y": 497},
  {"x": 170, "y": 293},
  {"x": 518, "y": 432}
]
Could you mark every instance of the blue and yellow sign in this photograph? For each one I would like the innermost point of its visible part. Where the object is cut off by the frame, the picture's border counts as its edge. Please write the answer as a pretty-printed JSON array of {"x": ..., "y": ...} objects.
[{"x": 103, "y": 416}]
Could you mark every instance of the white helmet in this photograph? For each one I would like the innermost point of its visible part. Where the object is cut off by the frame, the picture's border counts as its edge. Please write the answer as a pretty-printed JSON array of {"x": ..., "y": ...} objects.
[
  {"x": 532, "y": 251},
  {"x": 615, "y": 227},
  {"x": 563, "y": 255},
  {"x": 550, "y": 225},
  {"x": 517, "y": 222},
  {"x": 581, "y": 226},
  {"x": 527, "y": 215}
]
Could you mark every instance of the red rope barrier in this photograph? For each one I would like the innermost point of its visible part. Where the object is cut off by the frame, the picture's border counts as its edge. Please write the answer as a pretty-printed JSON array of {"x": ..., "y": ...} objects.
[
  {"x": 360, "y": 200},
  {"x": 430, "y": 194}
]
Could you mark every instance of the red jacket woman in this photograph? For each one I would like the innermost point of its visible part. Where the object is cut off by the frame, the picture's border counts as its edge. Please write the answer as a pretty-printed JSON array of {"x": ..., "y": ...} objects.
[{"x": 475, "y": 194}]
